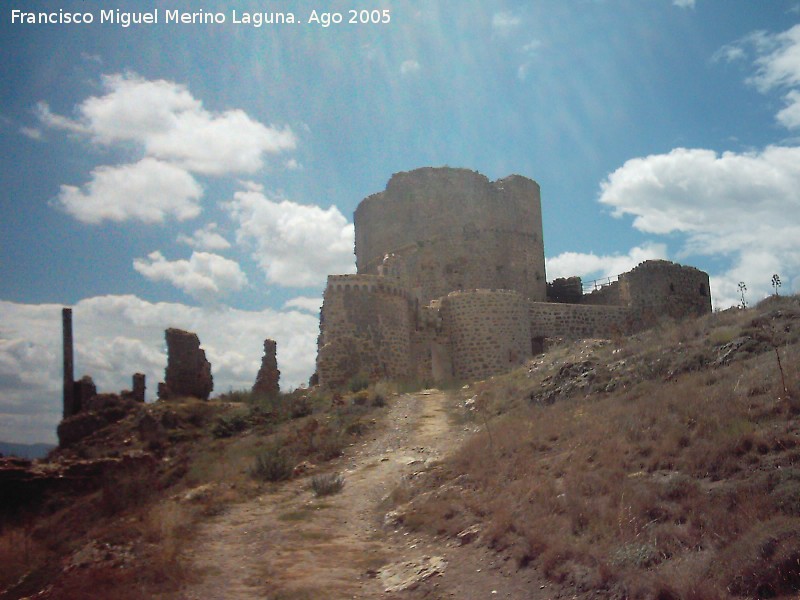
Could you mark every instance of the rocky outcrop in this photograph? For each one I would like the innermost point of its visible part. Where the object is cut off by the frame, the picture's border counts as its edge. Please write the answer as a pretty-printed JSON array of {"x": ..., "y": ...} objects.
[
  {"x": 188, "y": 373},
  {"x": 267, "y": 380}
]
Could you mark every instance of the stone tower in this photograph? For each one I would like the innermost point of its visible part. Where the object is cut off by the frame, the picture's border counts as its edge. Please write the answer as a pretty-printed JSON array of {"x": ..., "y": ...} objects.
[{"x": 440, "y": 230}]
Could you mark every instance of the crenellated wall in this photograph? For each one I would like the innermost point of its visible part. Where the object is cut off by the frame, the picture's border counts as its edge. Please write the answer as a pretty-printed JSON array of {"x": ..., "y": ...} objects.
[
  {"x": 488, "y": 331},
  {"x": 365, "y": 324}
]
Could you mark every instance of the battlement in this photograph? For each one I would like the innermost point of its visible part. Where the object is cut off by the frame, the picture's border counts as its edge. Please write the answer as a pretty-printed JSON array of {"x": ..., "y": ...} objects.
[{"x": 374, "y": 284}]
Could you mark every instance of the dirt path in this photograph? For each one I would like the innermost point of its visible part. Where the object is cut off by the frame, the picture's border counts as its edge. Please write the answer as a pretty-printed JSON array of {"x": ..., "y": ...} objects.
[{"x": 289, "y": 545}]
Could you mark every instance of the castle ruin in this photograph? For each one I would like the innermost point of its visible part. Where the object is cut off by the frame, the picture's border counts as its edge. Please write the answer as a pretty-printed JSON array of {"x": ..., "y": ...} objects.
[{"x": 451, "y": 284}]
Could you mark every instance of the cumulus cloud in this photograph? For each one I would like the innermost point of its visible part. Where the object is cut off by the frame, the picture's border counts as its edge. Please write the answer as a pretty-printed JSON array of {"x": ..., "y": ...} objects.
[
  {"x": 296, "y": 245},
  {"x": 592, "y": 266},
  {"x": 149, "y": 190},
  {"x": 176, "y": 138},
  {"x": 306, "y": 303},
  {"x": 409, "y": 67},
  {"x": 169, "y": 123},
  {"x": 204, "y": 276},
  {"x": 684, "y": 3},
  {"x": 207, "y": 238},
  {"x": 742, "y": 206},
  {"x": 116, "y": 336}
]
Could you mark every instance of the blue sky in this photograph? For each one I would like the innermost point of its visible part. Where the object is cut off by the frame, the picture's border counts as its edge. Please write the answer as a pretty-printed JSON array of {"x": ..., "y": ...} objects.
[{"x": 204, "y": 176}]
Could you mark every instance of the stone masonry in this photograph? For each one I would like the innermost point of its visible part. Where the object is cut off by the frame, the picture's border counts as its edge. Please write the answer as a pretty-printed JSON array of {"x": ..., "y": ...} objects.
[
  {"x": 267, "y": 380},
  {"x": 188, "y": 373},
  {"x": 451, "y": 285}
]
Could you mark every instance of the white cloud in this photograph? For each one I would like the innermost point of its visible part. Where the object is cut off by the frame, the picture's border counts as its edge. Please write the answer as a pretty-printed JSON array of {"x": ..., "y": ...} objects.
[
  {"x": 116, "y": 336},
  {"x": 149, "y": 190},
  {"x": 504, "y": 21},
  {"x": 409, "y": 67},
  {"x": 170, "y": 124},
  {"x": 207, "y": 238},
  {"x": 789, "y": 117},
  {"x": 729, "y": 53},
  {"x": 203, "y": 276},
  {"x": 777, "y": 64},
  {"x": 33, "y": 133},
  {"x": 590, "y": 266},
  {"x": 49, "y": 119},
  {"x": 742, "y": 206},
  {"x": 306, "y": 303},
  {"x": 294, "y": 244},
  {"x": 684, "y": 3}
]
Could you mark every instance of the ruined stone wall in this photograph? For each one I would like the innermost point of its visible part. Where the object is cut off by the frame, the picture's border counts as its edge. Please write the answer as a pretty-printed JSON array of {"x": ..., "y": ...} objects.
[
  {"x": 268, "y": 376},
  {"x": 486, "y": 259},
  {"x": 453, "y": 229},
  {"x": 366, "y": 324},
  {"x": 661, "y": 288},
  {"x": 188, "y": 372},
  {"x": 612, "y": 294},
  {"x": 488, "y": 332},
  {"x": 576, "y": 321}
]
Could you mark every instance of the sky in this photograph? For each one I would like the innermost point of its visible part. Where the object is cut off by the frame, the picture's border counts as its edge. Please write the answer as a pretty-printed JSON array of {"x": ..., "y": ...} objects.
[{"x": 203, "y": 175}]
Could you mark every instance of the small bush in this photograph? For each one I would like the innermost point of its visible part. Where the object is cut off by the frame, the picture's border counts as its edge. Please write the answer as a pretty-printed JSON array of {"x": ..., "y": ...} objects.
[
  {"x": 300, "y": 407},
  {"x": 327, "y": 484},
  {"x": 379, "y": 400},
  {"x": 274, "y": 463},
  {"x": 226, "y": 427},
  {"x": 358, "y": 382},
  {"x": 361, "y": 398}
]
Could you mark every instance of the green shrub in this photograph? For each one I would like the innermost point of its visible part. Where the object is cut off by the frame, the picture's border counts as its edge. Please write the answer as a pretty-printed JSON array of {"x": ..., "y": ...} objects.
[
  {"x": 274, "y": 463},
  {"x": 300, "y": 407},
  {"x": 358, "y": 382},
  {"x": 228, "y": 426},
  {"x": 327, "y": 484}
]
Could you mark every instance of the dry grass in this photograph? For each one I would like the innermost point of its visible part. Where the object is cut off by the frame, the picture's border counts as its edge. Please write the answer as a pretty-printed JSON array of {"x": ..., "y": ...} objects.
[
  {"x": 685, "y": 470},
  {"x": 134, "y": 523}
]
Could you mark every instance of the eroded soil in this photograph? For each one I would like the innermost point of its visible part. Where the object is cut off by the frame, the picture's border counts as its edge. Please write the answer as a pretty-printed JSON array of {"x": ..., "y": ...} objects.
[{"x": 288, "y": 544}]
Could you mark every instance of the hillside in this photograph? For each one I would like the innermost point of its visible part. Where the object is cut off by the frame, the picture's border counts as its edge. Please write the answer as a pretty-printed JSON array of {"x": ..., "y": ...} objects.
[
  {"x": 660, "y": 465},
  {"x": 664, "y": 465}
]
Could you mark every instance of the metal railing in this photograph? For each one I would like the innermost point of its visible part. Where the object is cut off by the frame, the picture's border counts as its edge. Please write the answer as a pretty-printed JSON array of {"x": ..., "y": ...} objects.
[{"x": 596, "y": 284}]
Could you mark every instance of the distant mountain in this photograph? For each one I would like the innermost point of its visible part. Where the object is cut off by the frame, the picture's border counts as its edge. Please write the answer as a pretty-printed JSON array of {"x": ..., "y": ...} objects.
[{"x": 25, "y": 450}]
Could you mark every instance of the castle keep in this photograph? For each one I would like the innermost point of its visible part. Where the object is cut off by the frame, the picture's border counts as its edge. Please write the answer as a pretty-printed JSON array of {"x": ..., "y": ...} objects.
[{"x": 451, "y": 284}]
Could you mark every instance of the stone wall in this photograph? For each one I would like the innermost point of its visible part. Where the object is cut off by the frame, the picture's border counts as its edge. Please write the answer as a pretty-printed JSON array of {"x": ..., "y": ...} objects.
[
  {"x": 610, "y": 294},
  {"x": 188, "y": 373},
  {"x": 488, "y": 331},
  {"x": 453, "y": 229},
  {"x": 661, "y": 288},
  {"x": 484, "y": 259},
  {"x": 576, "y": 321},
  {"x": 268, "y": 377},
  {"x": 366, "y": 324}
]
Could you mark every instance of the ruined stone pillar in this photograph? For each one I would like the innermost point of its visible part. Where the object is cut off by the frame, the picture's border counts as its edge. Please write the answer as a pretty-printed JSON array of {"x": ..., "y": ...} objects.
[
  {"x": 138, "y": 387},
  {"x": 69, "y": 365},
  {"x": 267, "y": 380}
]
